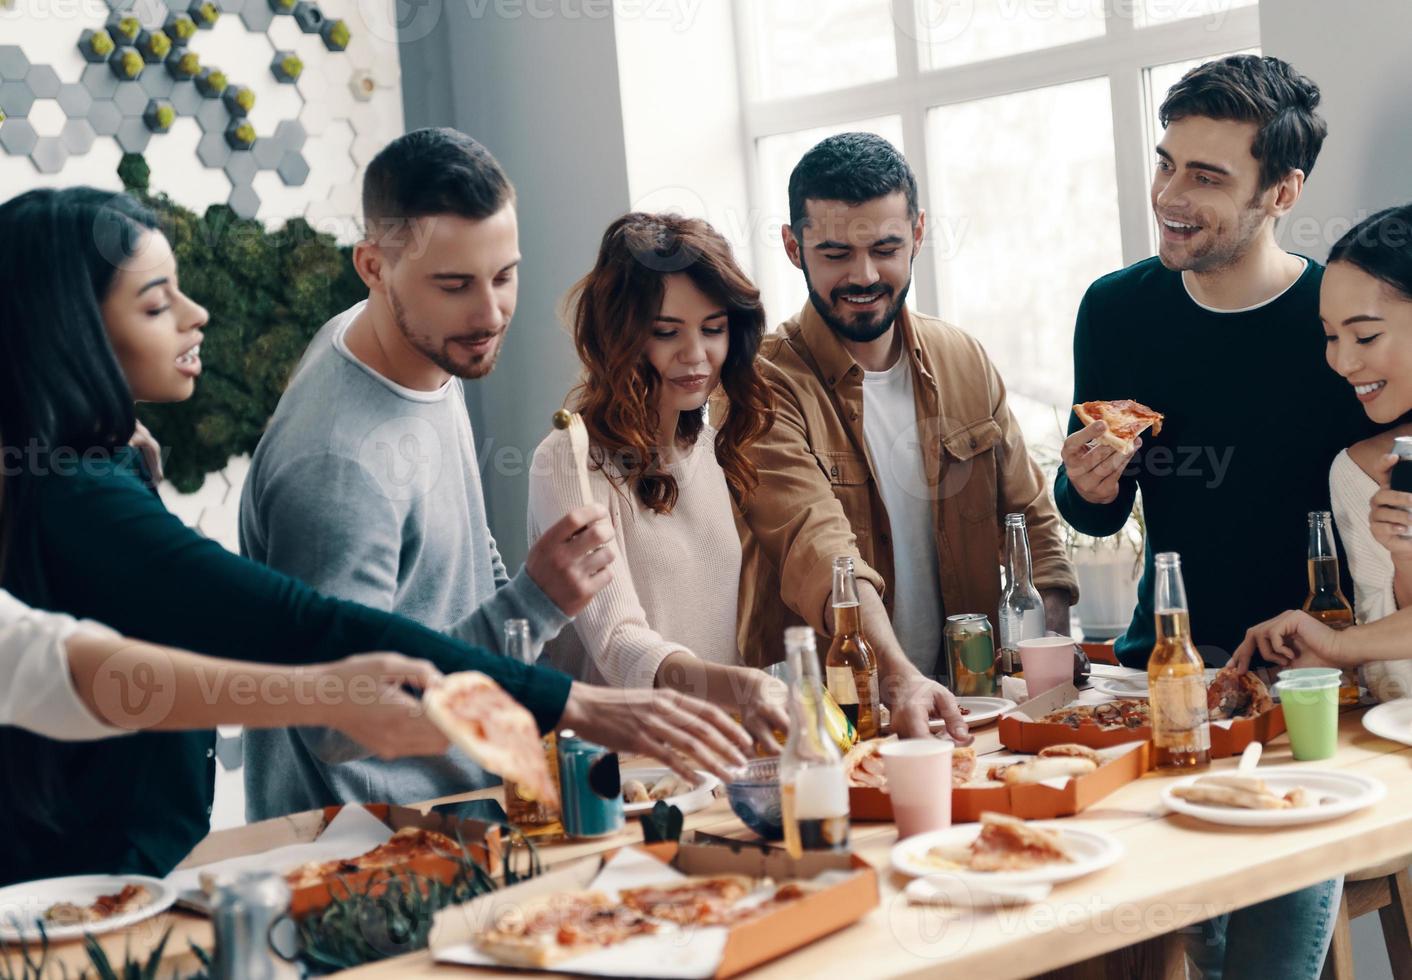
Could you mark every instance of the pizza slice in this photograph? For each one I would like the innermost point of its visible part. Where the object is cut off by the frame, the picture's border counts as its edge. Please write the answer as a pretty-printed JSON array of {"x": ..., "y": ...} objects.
[
  {"x": 493, "y": 729},
  {"x": 1126, "y": 420},
  {"x": 1237, "y": 696},
  {"x": 401, "y": 848},
  {"x": 552, "y": 928},
  {"x": 695, "y": 901},
  {"x": 1007, "y": 843}
]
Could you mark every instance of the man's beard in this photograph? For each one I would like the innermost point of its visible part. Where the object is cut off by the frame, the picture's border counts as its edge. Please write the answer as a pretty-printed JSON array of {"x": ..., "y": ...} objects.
[
  {"x": 861, "y": 331},
  {"x": 1222, "y": 254},
  {"x": 478, "y": 367}
]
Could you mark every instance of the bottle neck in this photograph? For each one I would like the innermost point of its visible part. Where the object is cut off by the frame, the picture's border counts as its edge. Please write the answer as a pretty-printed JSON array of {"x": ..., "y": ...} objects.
[
  {"x": 808, "y": 736},
  {"x": 845, "y": 585},
  {"x": 1018, "y": 568}
]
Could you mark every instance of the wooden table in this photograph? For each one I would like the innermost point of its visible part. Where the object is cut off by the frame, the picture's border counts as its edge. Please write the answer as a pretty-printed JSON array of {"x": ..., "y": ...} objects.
[{"x": 1176, "y": 872}]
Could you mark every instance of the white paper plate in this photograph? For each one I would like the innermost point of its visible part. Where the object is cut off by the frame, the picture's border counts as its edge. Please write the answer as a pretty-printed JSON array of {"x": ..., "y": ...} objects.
[
  {"x": 23, "y": 905},
  {"x": 1392, "y": 721},
  {"x": 1349, "y": 791},
  {"x": 1093, "y": 851},
  {"x": 982, "y": 711},
  {"x": 698, "y": 799},
  {"x": 1130, "y": 687}
]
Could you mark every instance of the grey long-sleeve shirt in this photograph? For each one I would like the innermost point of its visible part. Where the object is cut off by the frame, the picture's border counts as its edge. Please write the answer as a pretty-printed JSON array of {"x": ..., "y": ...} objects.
[{"x": 371, "y": 492}]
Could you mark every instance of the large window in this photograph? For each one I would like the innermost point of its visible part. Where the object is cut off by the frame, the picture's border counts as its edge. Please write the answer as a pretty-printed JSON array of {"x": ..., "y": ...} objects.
[{"x": 1030, "y": 124}]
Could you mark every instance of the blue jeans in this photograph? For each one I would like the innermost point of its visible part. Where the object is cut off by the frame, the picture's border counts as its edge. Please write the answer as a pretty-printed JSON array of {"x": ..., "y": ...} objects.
[{"x": 1286, "y": 937}]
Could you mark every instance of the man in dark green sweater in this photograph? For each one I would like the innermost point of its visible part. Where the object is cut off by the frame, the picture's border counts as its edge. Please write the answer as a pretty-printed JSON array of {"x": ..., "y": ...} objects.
[{"x": 1221, "y": 333}]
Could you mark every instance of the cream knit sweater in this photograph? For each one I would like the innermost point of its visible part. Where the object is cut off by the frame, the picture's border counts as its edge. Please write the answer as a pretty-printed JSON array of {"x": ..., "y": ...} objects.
[{"x": 676, "y": 580}]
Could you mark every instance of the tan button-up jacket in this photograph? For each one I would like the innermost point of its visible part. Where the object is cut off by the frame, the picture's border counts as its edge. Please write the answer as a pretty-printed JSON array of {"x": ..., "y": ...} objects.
[{"x": 818, "y": 495}]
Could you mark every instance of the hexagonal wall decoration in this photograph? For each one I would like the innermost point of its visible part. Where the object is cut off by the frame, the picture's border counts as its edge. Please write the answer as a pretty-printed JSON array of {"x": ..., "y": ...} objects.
[
  {"x": 336, "y": 35},
  {"x": 106, "y": 118},
  {"x": 159, "y": 115},
  {"x": 181, "y": 28},
  {"x": 154, "y": 46},
  {"x": 239, "y": 100},
  {"x": 245, "y": 202},
  {"x": 212, "y": 82},
  {"x": 13, "y": 63},
  {"x": 287, "y": 67},
  {"x": 127, "y": 63},
  {"x": 125, "y": 28},
  {"x": 294, "y": 169},
  {"x": 205, "y": 13},
  {"x": 18, "y": 137},
  {"x": 183, "y": 65},
  {"x": 78, "y": 136},
  {"x": 96, "y": 46},
  {"x": 49, "y": 155},
  {"x": 309, "y": 17},
  {"x": 43, "y": 81},
  {"x": 75, "y": 100},
  {"x": 240, "y": 134}
]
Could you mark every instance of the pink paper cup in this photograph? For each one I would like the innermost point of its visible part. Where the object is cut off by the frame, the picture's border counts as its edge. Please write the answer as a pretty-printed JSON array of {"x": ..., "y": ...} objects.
[
  {"x": 918, "y": 774},
  {"x": 1047, "y": 661}
]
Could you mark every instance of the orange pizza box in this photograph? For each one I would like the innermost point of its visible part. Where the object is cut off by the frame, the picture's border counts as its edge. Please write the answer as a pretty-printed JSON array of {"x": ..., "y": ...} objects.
[
  {"x": 849, "y": 893},
  {"x": 1021, "y": 730},
  {"x": 247, "y": 843},
  {"x": 1037, "y": 801}
]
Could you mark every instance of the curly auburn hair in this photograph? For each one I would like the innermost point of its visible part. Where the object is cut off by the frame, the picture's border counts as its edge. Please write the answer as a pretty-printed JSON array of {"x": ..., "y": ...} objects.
[{"x": 613, "y": 308}]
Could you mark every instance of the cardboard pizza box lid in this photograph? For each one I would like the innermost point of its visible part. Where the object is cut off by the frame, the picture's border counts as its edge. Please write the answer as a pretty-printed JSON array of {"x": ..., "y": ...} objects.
[
  {"x": 748, "y": 945},
  {"x": 483, "y": 840}
]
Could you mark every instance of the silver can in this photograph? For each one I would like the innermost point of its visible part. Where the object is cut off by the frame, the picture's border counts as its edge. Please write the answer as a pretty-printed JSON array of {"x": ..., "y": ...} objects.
[
  {"x": 591, "y": 788},
  {"x": 255, "y": 937},
  {"x": 970, "y": 655}
]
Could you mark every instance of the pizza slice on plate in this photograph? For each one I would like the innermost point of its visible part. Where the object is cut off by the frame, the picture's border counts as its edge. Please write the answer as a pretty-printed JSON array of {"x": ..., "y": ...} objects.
[
  {"x": 1126, "y": 421},
  {"x": 494, "y": 729}
]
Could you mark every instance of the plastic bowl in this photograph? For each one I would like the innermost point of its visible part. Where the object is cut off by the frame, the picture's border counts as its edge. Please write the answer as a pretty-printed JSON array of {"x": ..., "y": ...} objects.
[{"x": 755, "y": 798}]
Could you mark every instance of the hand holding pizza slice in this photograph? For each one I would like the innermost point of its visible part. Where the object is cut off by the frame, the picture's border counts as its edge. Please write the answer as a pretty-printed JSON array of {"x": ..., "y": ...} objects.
[
  {"x": 1125, "y": 419},
  {"x": 494, "y": 729}
]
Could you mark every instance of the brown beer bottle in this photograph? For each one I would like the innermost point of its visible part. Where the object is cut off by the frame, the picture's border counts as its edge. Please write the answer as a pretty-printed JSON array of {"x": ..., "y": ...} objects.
[
  {"x": 1326, "y": 601},
  {"x": 1176, "y": 678},
  {"x": 851, "y": 668}
]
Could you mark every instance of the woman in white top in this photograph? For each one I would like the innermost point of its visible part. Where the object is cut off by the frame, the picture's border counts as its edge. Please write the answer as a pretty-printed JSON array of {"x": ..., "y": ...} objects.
[
  {"x": 78, "y": 681},
  {"x": 1366, "y": 305},
  {"x": 665, "y": 318}
]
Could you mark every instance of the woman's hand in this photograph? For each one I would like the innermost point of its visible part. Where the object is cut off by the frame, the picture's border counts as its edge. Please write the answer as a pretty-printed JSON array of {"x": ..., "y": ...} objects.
[
  {"x": 143, "y": 441},
  {"x": 367, "y": 698},
  {"x": 763, "y": 709},
  {"x": 1390, "y": 514},
  {"x": 1295, "y": 639}
]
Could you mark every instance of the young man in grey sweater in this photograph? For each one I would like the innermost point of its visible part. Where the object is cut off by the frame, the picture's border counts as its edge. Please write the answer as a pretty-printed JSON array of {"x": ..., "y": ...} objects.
[{"x": 366, "y": 484}]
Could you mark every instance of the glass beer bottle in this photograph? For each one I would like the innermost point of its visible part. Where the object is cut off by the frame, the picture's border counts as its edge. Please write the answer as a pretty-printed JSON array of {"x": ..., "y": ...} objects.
[
  {"x": 851, "y": 669},
  {"x": 1326, "y": 601},
  {"x": 1021, "y": 609},
  {"x": 525, "y": 812},
  {"x": 813, "y": 789},
  {"x": 1176, "y": 678}
]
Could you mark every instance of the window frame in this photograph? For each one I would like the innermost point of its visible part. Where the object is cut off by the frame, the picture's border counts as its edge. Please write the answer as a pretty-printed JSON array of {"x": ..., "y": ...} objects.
[{"x": 1122, "y": 54}]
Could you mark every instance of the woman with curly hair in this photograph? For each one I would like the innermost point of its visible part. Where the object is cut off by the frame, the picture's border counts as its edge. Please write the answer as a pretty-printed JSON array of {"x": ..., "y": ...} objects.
[{"x": 665, "y": 321}]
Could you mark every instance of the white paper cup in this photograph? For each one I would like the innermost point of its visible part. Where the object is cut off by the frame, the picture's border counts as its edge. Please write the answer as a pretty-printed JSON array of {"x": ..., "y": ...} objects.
[
  {"x": 1047, "y": 661},
  {"x": 918, "y": 774}
]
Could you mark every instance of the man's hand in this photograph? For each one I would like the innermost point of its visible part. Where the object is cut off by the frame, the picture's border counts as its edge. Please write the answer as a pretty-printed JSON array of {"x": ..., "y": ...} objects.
[
  {"x": 1056, "y": 611},
  {"x": 914, "y": 699},
  {"x": 1093, "y": 468},
  {"x": 573, "y": 560},
  {"x": 392, "y": 724},
  {"x": 1295, "y": 638},
  {"x": 680, "y": 731}
]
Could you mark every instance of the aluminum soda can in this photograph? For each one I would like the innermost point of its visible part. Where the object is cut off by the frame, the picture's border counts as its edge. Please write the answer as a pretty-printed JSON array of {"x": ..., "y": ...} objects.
[
  {"x": 591, "y": 788},
  {"x": 970, "y": 655}
]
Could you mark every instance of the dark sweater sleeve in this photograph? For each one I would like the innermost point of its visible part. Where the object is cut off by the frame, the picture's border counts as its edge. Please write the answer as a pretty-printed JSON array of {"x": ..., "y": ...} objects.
[
  {"x": 1095, "y": 520},
  {"x": 115, "y": 554}
]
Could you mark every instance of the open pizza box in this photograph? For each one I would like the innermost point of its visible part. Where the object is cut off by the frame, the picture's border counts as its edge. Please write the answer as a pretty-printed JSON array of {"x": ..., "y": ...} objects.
[
  {"x": 335, "y": 832},
  {"x": 1031, "y": 801},
  {"x": 846, "y": 889},
  {"x": 1022, "y": 731}
]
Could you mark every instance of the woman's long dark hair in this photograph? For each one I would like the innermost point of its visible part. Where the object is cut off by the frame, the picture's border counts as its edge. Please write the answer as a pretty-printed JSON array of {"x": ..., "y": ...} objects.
[
  {"x": 60, "y": 384},
  {"x": 1381, "y": 245}
]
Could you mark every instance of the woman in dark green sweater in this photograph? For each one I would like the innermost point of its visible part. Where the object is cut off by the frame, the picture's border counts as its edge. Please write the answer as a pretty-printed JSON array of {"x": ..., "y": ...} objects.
[{"x": 91, "y": 320}]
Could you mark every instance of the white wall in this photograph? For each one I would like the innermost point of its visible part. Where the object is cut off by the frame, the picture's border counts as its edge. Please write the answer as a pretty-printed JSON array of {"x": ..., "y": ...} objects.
[
  {"x": 1358, "y": 54},
  {"x": 537, "y": 83}
]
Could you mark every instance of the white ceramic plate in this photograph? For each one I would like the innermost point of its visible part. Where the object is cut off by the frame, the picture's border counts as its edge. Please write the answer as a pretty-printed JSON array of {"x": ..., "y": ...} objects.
[
  {"x": 23, "y": 905},
  {"x": 698, "y": 799},
  {"x": 982, "y": 711},
  {"x": 1392, "y": 720},
  {"x": 1130, "y": 687},
  {"x": 1092, "y": 852},
  {"x": 1346, "y": 792}
]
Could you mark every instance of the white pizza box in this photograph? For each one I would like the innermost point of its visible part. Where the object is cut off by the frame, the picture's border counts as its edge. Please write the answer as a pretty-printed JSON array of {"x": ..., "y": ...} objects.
[
  {"x": 284, "y": 843},
  {"x": 847, "y": 889}
]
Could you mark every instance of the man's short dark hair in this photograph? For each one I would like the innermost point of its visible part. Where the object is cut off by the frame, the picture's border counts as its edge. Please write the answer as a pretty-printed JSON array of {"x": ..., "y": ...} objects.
[
  {"x": 1265, "y": 91},
  {"x": 429, "y": 172},
  {"x": 853, "y": 168}
]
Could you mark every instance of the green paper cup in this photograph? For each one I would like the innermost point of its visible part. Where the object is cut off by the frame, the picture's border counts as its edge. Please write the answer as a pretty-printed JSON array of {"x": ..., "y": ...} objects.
[
  {"x": 1311, "y": 715},
  {"x": 1300, "y": 673}
]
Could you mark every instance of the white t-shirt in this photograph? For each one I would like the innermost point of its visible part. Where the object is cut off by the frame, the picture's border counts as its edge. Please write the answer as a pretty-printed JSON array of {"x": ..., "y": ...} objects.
[{"x": 890, "y": 429}]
